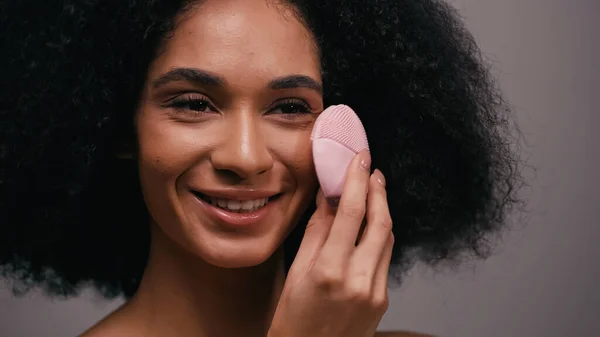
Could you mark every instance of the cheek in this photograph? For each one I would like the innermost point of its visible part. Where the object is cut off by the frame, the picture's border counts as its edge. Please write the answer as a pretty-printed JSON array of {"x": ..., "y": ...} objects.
[
  {"x": 295, "y": 151},
  {"x": 166, "y": 150}
]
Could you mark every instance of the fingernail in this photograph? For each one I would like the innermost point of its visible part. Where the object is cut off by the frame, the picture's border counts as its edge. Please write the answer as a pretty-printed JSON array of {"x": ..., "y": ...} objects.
[
  {"x": 365, "y": 161},
  {"x": 380, "y": 178}
]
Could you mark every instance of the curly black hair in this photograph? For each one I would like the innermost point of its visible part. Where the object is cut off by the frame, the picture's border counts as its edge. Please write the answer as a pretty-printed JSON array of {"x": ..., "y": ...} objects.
[{"x": 71, "y": 212}]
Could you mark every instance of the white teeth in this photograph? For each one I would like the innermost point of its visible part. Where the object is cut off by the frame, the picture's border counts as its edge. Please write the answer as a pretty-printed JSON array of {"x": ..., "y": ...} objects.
[
  {"x": 248, "y": 205},
  {"x": 238, "y": 205},
  {"x": 233, "y": 205}
]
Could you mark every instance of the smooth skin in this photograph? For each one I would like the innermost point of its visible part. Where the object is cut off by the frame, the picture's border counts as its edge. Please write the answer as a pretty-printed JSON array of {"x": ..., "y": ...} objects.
[{"x": 229, "y": 104}]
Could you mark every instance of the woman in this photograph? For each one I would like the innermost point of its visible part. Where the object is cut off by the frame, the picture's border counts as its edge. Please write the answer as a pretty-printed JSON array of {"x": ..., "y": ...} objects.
[{"x": 160, "y": 150}]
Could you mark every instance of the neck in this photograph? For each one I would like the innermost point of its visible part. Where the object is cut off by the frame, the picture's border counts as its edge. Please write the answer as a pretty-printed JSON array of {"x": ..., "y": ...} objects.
[{"x": 182, "y": 295}]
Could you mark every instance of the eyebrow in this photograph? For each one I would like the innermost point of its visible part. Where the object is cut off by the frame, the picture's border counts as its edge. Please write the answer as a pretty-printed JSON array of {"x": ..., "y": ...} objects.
[
  {"x": 295, "y": 81},
  {"x": 189, "y": 75},
  {"x": 206, "y": 78}
]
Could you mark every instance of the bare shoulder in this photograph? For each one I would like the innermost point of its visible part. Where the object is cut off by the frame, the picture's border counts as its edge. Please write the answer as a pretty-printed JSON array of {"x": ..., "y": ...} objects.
[
  {"x": 117, "y": 324},
  {"x": 104, "y": 329},
  {"x": 400, "y": 334}
]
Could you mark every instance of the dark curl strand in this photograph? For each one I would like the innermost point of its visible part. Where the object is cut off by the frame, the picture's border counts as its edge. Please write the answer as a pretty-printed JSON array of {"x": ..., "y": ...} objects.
[{"x": 71, "y": 213}]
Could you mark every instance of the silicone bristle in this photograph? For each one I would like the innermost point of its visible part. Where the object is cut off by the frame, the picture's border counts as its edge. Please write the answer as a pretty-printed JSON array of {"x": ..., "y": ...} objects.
[{"x": 341, "y": 124}]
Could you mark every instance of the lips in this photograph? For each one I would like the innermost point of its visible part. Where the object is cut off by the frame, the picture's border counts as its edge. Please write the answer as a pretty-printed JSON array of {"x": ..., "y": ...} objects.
[
  {"x": 234, "y": 205},
  {"x": 237, "y": 213}
]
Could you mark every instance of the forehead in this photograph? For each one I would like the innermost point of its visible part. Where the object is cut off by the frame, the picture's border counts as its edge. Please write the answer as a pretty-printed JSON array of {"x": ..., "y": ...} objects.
[{"x": 238, "y": 38}]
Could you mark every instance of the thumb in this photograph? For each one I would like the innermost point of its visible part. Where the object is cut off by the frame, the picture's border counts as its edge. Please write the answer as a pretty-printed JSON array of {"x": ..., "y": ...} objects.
[{"x": 315, "y": 235}]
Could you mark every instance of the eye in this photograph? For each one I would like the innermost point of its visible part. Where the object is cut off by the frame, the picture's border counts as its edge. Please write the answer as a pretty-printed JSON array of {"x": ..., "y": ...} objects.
[
  {"x": 197, "y": 104},
  {"x": 291, "y": 107},
  {"x": 191, "y": 105}
]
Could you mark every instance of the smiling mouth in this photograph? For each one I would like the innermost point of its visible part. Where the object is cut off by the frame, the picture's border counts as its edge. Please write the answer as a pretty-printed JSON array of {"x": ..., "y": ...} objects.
[{"x": 236, "y": 206}]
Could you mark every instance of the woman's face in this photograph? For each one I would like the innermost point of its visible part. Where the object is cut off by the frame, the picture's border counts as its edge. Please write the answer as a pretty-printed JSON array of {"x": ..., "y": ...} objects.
[{"x": 225, "y": 122}]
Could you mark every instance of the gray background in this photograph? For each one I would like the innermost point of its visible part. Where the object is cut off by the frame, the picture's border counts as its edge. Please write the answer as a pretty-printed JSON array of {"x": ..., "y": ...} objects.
[{"x": 542, "y": 280}]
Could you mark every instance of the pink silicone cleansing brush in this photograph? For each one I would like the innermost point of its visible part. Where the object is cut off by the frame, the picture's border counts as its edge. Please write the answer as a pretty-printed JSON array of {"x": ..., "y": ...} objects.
[{"x": 338, "y": 135}]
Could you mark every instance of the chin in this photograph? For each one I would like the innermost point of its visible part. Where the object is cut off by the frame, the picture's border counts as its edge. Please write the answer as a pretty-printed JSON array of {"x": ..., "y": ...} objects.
[
  {"x": 218, "y": 243},
  {"x": 236, "y": 254},
  {"x": 232, "y": 246}
]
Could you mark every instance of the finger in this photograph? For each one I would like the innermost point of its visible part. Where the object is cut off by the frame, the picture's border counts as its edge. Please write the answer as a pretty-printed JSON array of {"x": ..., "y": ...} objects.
[
  {"x": 361, "y": 231},
  {"x": 380, "y": 282},
  {"x": 317, "y": 230},
  {"x": 351, "y": 209},
  {"x": 379, "y": 223}
]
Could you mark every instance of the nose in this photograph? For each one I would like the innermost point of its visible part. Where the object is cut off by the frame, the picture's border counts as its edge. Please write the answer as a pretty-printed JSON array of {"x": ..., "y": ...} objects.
[{"x": 243, "y": 151}]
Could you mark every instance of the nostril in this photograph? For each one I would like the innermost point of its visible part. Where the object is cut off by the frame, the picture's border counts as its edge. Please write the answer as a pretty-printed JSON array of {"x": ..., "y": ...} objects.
[
  {"x": 234, "y": 164},
  {"x": 228, "y": 173}
]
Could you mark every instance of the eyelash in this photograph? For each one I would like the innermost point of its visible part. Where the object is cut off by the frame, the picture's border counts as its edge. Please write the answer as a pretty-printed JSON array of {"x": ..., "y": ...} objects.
[
  {"x": 183, "y": 104},
  {"x": 297, "y": 103}
]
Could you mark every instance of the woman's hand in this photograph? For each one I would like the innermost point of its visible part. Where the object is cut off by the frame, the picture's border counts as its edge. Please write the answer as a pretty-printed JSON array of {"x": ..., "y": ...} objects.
[{"x": 336, "y": 287}]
